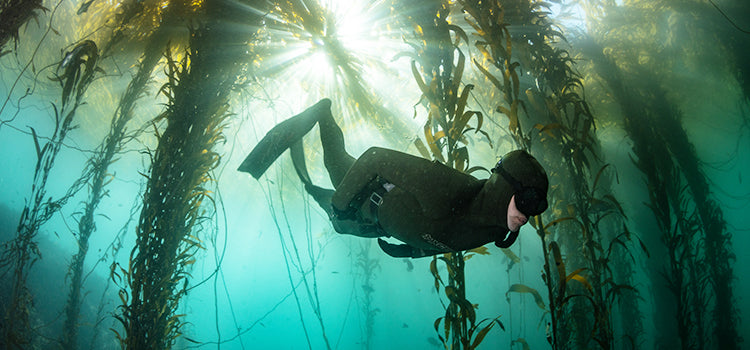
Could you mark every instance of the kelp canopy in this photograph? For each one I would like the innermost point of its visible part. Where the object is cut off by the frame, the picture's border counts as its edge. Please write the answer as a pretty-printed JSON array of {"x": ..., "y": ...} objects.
[{"x": 124, "y": 223}]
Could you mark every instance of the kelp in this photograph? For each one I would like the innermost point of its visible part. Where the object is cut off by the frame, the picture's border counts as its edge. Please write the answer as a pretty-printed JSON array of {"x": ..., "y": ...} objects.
[
  {"x": 689, "y": 272},
  {"x": 310, "y": 22},
  {"x": 439, "y": 77},
  {"x": 517, "y": 36},
  {"x": 177, "y": 187},
  {"x": 112, "y": 252},
  {"x": 698, "y": 266},
  {"x": 13, "y": 15},
  {"x": 98, "y": 166},
  {"x": 707, "y": 218},
  {"x": 460, "y": 329},
  {"x": 367, "y": 267},
  {"x": 74, "y": 73},
  {"x": 292, "y": 257}
]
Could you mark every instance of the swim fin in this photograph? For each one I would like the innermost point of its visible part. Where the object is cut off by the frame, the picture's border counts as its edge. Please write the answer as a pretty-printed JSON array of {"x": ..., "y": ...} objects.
[
  {"x": 321, "y": 195},
  {"x": 281, "y": 137}
]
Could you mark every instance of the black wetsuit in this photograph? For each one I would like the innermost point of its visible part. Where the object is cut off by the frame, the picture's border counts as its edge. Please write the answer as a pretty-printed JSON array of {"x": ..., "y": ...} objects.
[{"x": 430, "y": 207}]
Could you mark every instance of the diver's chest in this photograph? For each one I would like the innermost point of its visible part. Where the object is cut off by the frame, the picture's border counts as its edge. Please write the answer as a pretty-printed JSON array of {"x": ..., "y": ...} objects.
[{"x": 401, "y": 210}]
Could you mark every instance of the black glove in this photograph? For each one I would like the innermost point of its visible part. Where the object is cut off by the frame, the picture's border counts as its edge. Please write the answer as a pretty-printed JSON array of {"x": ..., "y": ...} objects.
[
  {"x": 405, "y": 250},
  {"x": 396, "y": 250},
  {"x": 508, "y": 240}
]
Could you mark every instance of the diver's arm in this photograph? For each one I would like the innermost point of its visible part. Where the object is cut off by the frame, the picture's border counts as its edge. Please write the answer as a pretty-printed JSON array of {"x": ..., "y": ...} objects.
[{"x": 434, "y": 185}]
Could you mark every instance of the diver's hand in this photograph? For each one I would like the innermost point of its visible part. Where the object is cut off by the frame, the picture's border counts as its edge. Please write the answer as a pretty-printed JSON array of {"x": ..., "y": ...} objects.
[
  {"x": 405, "y": 250},
  {"x": 396, "y": 250},
  {"x": 509, "y": 239}
]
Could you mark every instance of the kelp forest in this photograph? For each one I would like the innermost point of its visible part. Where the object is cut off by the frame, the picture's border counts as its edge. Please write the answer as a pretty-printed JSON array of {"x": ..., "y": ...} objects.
[{"x": 125, "y": 223}]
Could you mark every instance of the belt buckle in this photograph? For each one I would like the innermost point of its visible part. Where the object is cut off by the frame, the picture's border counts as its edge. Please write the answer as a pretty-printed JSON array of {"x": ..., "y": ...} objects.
[{"x": 376, "y": 198}]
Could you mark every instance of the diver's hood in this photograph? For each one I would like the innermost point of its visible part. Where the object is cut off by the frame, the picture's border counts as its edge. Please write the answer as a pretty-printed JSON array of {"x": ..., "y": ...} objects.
[
  {"x": 493, "y": 200},
  {"x": 526, "y": 169}
]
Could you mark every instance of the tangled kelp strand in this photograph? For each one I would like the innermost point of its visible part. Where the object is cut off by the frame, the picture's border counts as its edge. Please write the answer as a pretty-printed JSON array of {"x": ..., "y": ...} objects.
[{"x": 22, "y": 252}]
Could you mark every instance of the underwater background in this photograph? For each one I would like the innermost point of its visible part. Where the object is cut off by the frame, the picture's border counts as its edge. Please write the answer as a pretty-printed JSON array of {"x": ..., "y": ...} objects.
[{"x": 125, "y": 224}]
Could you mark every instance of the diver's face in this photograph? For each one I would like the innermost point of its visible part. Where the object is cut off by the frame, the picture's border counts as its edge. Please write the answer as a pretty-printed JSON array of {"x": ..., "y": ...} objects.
[{"x": 515, "y": 218}]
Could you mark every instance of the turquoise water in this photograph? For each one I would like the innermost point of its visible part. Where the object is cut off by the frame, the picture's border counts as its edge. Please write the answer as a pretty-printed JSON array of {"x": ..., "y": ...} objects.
[{"x": 269, "y": 271}]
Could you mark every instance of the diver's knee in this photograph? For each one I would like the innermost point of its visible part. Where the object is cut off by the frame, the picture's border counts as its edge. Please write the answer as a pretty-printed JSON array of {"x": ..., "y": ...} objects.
[
  {"x": 355, "y": 228},
  {"x": 372, "y": 152}
]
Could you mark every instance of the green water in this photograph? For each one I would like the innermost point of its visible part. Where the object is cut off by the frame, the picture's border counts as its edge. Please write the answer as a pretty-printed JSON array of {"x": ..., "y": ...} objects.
[{"x": 659, "y": 153}]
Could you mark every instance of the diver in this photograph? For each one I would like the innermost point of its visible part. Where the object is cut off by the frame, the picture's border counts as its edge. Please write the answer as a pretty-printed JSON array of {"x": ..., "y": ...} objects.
[{"x": 428, "y": 206}]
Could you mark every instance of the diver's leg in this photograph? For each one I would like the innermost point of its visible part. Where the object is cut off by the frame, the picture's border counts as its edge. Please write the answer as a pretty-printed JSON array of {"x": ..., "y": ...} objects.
[
  {"x": 335, "y": 157},
  {"x": 281, "y": 137},
  {"x": 323, "y": 197},
  {"x": 337, "y": 161}
]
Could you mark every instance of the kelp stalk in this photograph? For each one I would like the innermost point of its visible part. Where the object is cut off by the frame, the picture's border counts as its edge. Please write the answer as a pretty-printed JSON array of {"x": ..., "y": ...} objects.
[
  {"x": 690, "y": 221},
  {"x": 173, "y": 210},
  {"x": 565, "y": 126},
  {"x": 438, "y": 67},
  {"x": 311, "y": 287},
  {"x": 74, "y": 73},
  {"x": 99, "y": 165},
  {"x": 367, "y": 266}
]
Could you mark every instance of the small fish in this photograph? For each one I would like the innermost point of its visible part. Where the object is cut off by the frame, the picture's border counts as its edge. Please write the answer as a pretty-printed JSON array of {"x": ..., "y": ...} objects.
[
  {"x": 70, "y": 56},
  {"x": 85, "y": 7},
  {"x": 600, "y": 206},
  {"x": 405, "y": 325},
  {"x": 191, "y": 340},
  {"x": 409, "y": 265}
]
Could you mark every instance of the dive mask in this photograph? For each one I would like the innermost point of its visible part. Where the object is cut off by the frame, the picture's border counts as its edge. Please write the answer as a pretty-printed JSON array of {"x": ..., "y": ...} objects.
[{"x": 529, "y": 200}]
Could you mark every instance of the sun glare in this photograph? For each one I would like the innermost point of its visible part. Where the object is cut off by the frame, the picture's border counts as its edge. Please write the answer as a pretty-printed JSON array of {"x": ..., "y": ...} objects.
[
  {"x": 352, "y": 23},
  {"x": 569, "y": 15},
  {"x": 356, "y": 42}
]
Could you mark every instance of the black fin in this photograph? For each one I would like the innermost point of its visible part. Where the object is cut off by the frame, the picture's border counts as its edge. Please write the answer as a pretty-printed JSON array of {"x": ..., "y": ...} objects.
[
  {"x": 281, "y": 137},
  {"x": 319, "y": 194},
  {"x": 297, "y": 152}
]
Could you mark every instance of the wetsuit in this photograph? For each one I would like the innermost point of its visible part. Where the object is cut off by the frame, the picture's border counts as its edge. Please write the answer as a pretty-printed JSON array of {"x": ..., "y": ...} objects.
[{"x": 430, "y": 207}]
